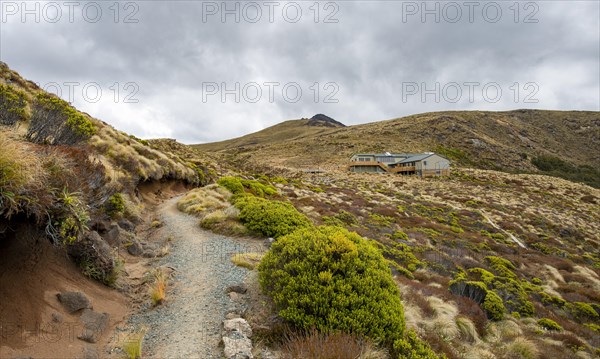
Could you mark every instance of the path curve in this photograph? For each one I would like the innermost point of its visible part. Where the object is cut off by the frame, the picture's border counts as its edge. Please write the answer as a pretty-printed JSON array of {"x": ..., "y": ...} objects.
[{"x": 188, "y": 324}]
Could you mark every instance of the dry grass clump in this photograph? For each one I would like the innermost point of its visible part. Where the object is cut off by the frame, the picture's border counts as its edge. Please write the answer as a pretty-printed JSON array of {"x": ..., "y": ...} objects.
[
  {"x": 159, "y": 287},
  {"x": 247, "y": 260},
  {"x": 521, "y": 348},
  {"x": 211, "y": 205},
  {"x": 132, "y": 343},
  {"x": 315, "y": 345},
  {"x": 200, "y": 201}
]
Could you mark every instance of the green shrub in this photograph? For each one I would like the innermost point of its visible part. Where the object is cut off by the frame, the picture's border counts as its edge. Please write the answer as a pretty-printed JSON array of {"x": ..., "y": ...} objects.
[
  {"x": 493, "y": 306},
  {"x": 270, "y": 218},
  {"x": 13, "y": 105},
  {"x": 549, "y": 324},
  {"x": 259, "y": 189},
  {"x": 477, "y": 291},
  {"x": 582, "y": 310},
  {"x": 548, "y": 299},
  {"x": 333, "y": 280},
  {"x": 115, "y": 206},
  {"x": 412, "y": 347},
  {"x": 56, "y": 122},
  {"x": 502, "y": 267},
  {"x": 233, "y": 184},
  {"x": 399, "y": 235},
  {"x": 483, "y": 275}
]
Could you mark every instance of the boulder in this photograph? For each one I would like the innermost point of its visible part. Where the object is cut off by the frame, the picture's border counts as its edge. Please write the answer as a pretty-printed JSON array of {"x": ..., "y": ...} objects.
[
  {"x": 237, "y": 346},
  {"x": 239, "y": 324},
  {"x": 94, "y": 325},
  {"x": 74, "y": 301}
]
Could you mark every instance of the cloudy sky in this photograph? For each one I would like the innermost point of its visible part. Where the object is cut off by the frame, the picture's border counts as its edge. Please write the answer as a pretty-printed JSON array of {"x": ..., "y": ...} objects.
[{"x": 207, "y": 71}]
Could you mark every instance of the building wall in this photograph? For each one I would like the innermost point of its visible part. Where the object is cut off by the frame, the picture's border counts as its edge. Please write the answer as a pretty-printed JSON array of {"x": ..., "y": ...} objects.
[
  {"x": 367, "y": 169},
  {"x": 434, "y": 162}
]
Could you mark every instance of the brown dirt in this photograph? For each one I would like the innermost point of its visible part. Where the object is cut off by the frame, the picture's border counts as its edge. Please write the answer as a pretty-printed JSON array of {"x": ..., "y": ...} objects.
[{"x": 32, "y": 272}]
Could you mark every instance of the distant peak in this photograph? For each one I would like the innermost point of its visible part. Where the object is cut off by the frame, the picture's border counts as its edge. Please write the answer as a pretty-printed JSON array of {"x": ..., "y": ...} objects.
[{"x": 324, "y": 121}]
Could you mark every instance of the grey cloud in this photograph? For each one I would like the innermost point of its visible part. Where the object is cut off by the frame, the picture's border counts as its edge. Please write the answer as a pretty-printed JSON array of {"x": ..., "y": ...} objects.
[{"x": 369, "y": 53}]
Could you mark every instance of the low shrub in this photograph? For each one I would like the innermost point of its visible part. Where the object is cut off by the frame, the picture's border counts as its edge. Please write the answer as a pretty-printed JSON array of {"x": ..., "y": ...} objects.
[
  {"x": 13, "y": 105},
  {"x": 54, "y": 121},
  {"x": 270, "y": 218},
  {"x": 115, "y": 205},
  {"x": 412, "y": 347},
  {"x": 493, "y": 306},
  {"x": 333, "y": 280},
  {"x": 233, "y": 184},
  {"x": 549, "y": 324},
  {"x": 582, "y": 310}
]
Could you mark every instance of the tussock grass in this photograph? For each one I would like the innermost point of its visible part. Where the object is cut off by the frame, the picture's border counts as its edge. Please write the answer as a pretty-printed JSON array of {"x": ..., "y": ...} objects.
[
  {"x": 211, "y": 205},
  {"x": 521, "y": 348},
  {"x": 247, "y": 260},
  {"x": 159, "y": 287},
  {"x": 201, "y": 201},
  {"x": 467, "y": 329},
  {"x": 132, "y": 344},
  {"x": 315, "y": 345}
]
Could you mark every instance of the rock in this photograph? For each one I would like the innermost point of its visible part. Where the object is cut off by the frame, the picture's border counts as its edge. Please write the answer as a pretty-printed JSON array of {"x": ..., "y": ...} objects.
[
  {"x": 237, "y": 346},
  {"x": 116, "y": 236},
  {"x": 237, "y": 288},
  {"x": 126, "y": 225},
  {"x": 232, "y": 315},
  {"x": 135, "y": 249},
  {"x": 93, "y": 249},
  {"x": 94, "y": 325},
  {"x": 74, "y": 301},
  {"x": 238, "y": 324},
  {"x": 90, "y": 352},
  {"x": 235, "y": 296},
  {"x": 100, "y": 226}
]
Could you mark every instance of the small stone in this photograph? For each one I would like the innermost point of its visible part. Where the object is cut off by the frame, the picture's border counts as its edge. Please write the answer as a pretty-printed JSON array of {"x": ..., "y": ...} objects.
[
  {"x": 94, "y": 325},
  {"x": 126, "y": 225},
  {"x": 237, "y": 288},
  {"x": 74, "y": 301},
  {"x": 135, "y": 249},
  {"x": 235, "y": 296},
  {"x": 237, "y": 348},
  {"x": 57, "y": 317}
]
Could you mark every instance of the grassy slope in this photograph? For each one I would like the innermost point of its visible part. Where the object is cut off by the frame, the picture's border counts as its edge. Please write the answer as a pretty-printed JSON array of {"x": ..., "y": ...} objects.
[
  {"x": 489, "y": 140},
  {"x": 293, "y": 130}
]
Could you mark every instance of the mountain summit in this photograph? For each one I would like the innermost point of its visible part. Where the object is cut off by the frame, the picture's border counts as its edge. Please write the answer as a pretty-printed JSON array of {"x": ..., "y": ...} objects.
[{"x": 324, "y": 121}]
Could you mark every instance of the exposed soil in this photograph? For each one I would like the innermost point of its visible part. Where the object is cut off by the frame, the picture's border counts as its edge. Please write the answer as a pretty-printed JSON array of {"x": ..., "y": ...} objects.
[{"x": 32, "y": 321}]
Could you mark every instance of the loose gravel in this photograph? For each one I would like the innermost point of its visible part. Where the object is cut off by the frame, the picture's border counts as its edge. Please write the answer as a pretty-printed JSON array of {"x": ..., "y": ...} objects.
[{"x": 188, "y": 324}]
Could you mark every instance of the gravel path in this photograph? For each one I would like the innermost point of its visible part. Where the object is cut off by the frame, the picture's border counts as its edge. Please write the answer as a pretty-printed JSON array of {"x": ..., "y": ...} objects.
[{"x": 188, "y": 324}]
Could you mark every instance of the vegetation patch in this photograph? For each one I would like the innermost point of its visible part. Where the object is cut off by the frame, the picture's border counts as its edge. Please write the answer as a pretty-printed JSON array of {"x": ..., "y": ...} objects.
[
  {"x": 333, "y": 280},
  {"x": 270, "y": 218}
]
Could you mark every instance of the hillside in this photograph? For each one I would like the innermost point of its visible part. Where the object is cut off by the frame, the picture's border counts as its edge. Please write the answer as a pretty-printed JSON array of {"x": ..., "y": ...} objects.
[
  {"x": 294, "y": 130},
  {"x": 73, "y": 192},
  {"x": 507, "y": 141}
]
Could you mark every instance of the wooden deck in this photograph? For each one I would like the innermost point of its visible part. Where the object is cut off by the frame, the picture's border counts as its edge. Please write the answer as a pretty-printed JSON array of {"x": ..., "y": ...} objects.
[{"x": 402, "y": 170}]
